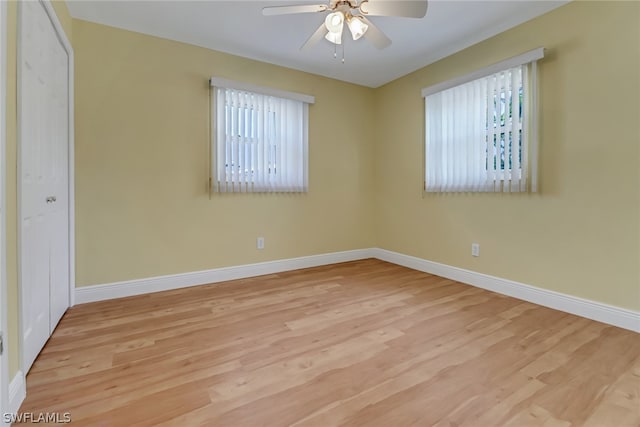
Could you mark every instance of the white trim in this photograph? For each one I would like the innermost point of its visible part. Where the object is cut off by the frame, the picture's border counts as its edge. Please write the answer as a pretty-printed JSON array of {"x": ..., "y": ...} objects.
[
  {"x": 127, "y": 288},
  {"x": 593, "y": 310},
  {"x": 232, "y": 84},
  {"x": 17, "y": 393},
  {"x": 611, "y": 315},
  {"x": 4, "y": 359},
  {"x": 525, "y": 58}
]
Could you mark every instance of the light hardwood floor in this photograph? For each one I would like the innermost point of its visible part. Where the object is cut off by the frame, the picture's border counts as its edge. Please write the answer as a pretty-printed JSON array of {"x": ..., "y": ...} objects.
[{"x": 365, "y": 343}]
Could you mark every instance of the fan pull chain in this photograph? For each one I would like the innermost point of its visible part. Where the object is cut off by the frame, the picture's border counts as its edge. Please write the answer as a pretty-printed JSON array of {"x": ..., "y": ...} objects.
[
  {"x": 335, "y": 51},
  {"x": 343, "y": 53}
]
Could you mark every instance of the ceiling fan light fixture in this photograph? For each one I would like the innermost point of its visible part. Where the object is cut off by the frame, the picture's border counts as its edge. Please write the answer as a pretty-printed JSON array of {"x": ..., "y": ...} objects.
[
  {"x": 357, "y": 27},
  {"x": 334, "y": 23},
  {"x": 335, "y": 38}
]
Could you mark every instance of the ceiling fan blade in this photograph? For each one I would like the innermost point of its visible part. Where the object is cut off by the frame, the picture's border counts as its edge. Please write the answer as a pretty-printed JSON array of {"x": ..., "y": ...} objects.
[
  {"x": 404, "y": 8},
  {"x": 286, "y": 10},
  {"x": 315, "y": 37},
  {"x": 375, "y": 36}
]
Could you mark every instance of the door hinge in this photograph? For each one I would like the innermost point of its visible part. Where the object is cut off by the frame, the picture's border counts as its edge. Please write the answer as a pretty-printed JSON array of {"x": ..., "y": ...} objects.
[{"x": 1, "y": 343}]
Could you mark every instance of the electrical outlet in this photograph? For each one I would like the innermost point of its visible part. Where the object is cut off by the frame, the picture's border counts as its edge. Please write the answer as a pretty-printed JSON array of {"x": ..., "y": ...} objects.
[
  {"x": 475, "y": 249},
  {"x": 260, "y": 243}
]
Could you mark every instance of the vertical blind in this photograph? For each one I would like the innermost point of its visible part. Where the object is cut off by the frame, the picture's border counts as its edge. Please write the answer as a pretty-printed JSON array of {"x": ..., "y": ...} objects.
[
  {"x": 479, "y": 134},
  {"x": 259, "y": 142}
]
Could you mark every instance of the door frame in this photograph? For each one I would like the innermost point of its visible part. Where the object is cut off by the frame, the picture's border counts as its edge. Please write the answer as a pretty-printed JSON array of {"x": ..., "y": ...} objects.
[
  {"x": 62, "y": 36},
  {"x": 4, "y": 358}
]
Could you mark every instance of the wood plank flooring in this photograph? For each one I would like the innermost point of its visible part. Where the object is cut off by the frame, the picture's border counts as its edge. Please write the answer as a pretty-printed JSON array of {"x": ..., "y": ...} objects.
[{"x": 364, "y": 343}]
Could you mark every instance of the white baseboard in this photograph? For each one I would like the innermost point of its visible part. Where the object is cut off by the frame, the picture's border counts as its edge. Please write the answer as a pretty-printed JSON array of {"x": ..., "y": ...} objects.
[
  {"x": 176, "y": 281},
  {"x": 611, "y": 315},
  {"x": 604, "y": 313},
  {"x": 17, "y": 392}
]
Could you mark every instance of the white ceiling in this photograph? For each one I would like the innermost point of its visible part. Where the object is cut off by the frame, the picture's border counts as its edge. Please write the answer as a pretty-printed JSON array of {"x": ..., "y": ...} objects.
[{"x": 238, "y": 27}]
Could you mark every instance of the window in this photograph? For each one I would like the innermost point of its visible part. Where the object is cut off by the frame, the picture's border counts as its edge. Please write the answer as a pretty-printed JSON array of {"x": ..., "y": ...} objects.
[
  {"x": 260, "y": 139},
  {"x": 481, "y": 129}
]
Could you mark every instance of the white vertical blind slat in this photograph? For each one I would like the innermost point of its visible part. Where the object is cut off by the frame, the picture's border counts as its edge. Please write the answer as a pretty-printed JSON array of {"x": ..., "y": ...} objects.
[
  {"x": 533, "y": 96},
  {"x": 215, "y": 148},
  {"x": 242, "y": 166},
  {"x": 481, "y": 153},
  {"x": 475, "y": 133},
  {"x": 428, "y": 152},
  {"x": 284, "y": 182},
  {"x": 521, "y": 131},
  {"x": 233, "y": 159},
  {"x": 508, "y": 130},
  {"x": 446, "y": 148},
  {"x": 491, "y": 123},
  {"x": 282, "y": 154},
  {"x": 516, "y": 125},
  {"x": 526, "y": 124},
  {"x": 433, "y": 128},
  {"x": 263, "y": 129},
  {"x": 462, "y": 134},
  {"x": 281, "y": 130},
  {"x": 453, "y": 148},
  {"x": 221, "y": 148},
  {"x": 448, "y": 177},
  {"x": 244, "y": 137},
  {"x": 242, "y": 106}
]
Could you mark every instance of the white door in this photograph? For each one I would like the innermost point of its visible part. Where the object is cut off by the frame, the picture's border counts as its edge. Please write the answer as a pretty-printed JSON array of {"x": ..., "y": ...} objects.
[
  {"x": 44, "y": 209},
  {"x": 59, "y": 181}
]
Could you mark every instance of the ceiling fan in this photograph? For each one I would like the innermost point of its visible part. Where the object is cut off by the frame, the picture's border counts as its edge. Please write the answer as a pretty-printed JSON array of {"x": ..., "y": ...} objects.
[{"x": 354, "y": 13}]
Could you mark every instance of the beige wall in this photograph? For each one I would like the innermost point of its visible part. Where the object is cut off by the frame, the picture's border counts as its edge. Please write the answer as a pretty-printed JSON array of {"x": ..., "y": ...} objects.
[
  {"x": 11, "y": 177},
  {"x": 141, "y": 164},
  {"x": 580, "y": 235},
  {"x": 142, "y": 204}
]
